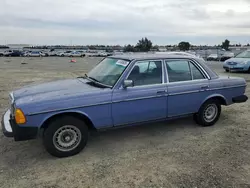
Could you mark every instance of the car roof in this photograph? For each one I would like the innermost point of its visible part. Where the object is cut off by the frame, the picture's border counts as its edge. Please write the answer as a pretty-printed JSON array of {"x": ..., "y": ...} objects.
[{"x": 141, "y": 56}]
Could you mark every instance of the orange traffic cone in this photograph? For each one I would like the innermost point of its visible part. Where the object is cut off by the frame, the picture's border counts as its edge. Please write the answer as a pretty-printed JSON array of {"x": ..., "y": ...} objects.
[{"x": 73, "y": 61}]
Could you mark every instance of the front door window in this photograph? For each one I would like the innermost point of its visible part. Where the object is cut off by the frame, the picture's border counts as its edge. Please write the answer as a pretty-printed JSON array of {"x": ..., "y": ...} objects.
[{"x": 146, "y": 73}]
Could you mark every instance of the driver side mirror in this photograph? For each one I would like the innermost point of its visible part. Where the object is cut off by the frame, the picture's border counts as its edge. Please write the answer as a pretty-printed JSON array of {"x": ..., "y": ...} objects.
[{"x": 127, "y": 83}]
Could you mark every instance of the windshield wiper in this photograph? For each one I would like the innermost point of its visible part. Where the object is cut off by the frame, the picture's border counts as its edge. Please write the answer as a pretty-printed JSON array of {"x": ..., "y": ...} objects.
[
  {"x": 85, "y": 76},
  {"x": 95, "y": 81}
]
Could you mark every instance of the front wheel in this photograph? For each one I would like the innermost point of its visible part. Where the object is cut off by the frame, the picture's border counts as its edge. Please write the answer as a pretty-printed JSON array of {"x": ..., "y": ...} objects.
[
  {"x": 65, "y": 136},
  {"x": 209, "y": 113}
]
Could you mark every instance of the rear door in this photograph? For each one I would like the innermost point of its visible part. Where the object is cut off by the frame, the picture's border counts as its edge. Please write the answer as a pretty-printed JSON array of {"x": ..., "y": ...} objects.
[{"x": 187, "y": 88}]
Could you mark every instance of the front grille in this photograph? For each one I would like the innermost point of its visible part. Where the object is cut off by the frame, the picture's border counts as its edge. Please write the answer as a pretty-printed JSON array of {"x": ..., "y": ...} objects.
[{"x": 231, "y": 63}]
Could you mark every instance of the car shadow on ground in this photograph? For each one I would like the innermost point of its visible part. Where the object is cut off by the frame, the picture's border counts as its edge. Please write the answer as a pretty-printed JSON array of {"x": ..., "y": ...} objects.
[
  {"x": 106, "y": 139},
  {"x": 108, "y": 142}
]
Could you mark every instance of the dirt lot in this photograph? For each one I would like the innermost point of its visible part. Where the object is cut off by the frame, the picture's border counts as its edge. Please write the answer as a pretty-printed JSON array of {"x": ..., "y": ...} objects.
[{"x": 172, "y": 154}]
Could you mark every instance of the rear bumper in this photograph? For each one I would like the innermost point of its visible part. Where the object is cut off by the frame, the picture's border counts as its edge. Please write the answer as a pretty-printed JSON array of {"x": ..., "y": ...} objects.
[
  {"x": 11, "y": 129},
  {"x": 240, "y": 99}
]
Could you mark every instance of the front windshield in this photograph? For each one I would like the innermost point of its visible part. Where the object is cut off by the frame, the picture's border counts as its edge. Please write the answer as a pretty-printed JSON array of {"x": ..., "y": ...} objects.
[
  {"x": 245, "y": 54},
  {"x": 108, "y": 71}
]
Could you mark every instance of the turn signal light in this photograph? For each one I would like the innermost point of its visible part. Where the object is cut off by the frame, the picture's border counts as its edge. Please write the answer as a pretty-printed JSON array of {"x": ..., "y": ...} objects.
[{"x": 20, "y": 117}]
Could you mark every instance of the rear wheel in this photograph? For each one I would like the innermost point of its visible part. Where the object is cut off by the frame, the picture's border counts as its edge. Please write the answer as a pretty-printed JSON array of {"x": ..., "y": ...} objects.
[
  {"x": 226, "y": 70},
  {"x": 209, "y": 113},
  {"x": 65, "y": 136}
]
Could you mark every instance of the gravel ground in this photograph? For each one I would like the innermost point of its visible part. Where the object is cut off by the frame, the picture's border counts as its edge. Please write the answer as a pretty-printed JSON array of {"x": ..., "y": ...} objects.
[{"x": 172, "y": 154}]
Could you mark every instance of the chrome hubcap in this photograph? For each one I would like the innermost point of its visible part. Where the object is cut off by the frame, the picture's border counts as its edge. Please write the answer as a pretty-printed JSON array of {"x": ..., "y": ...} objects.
[
  {"x": 210, "y": 112},
  {"x": 67, "y": 138}
]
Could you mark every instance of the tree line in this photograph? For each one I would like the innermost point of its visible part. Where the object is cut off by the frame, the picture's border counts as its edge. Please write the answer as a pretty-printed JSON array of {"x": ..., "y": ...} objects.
[{"x": 145, "y": 45}]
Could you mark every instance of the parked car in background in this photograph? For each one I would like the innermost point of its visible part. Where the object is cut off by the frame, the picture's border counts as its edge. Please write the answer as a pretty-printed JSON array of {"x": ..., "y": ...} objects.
[
  {"x": 52, "y": 52},
  {"x": 60, "y": 53},
  {"x": 26, "y": 53},
  {"x": 15, "y": 53},
  {"x": 45, "y": 53},
  {"x": 240, "y": 62},
  {"x": 66, "y": 53},
  {"x": 36, "y": 54},
  {"x": 93, "y": 54},
  {"x": 227, "y": 55},
  {"x": 102, "y": 54},
  {"x": 7, "y": 52},
  {"x": 213, "y": 57},
  {"x": 82, "y": 52},
  {"x": 119, "y": 91},
  {"x": 76, "y": 54}
]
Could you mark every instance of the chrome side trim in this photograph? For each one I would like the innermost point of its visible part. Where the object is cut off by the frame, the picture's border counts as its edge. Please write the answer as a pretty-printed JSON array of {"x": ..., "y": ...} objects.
[
  {"x": 193, "y": 82},
  {"x": 63, "y": 109},
  {"x": 196, "y": 91},
  {"x": 141, "y": 122},
  {"x": 229, "y": 87},
  {"x": 187, "y": 92},
  {"x": 140, "y": 98},
  {"x": 146, "y": 86}
]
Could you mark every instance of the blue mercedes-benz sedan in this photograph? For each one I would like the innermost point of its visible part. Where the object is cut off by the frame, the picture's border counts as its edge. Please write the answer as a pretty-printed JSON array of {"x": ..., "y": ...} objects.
[
  {"x": 240, "y": 63},
  {"x": 122, "y": 90}
]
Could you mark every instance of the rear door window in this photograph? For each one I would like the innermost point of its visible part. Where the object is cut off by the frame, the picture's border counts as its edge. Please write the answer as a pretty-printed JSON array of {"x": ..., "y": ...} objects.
[{"x": 182, "y": 70}]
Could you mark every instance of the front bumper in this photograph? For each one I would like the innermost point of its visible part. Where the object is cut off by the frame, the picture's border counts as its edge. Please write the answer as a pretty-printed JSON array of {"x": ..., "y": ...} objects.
[
  {"x": 240, "y": 99},
  {"x": 237, "y": 67},
  {"x": 11, "y": 129},
  {"x": 6, "y": 127}
]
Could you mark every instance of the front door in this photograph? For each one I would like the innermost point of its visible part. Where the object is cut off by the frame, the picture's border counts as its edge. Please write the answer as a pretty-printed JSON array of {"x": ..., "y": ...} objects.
[
  {"x": 187, "y": 88},
  {"x": 146, "y": 100}
]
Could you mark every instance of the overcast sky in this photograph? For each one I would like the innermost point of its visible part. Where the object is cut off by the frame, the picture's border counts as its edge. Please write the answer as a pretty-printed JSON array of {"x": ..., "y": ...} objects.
[{"x": 124, "y": 21}]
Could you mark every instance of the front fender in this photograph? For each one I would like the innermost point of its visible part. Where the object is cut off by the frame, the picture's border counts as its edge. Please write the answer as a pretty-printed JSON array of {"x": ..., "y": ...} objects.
[{"x": 38, "y": 120}]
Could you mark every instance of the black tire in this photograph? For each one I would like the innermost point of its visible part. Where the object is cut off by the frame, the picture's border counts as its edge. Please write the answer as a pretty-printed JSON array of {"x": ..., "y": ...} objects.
[
  {"x": 56, "y": 125},
  {"x": 202, "y": 119},
  {"x": 226, "y": 70},
  {"x": 62, "y": 55},
  {"x": 248, "y": 70}
]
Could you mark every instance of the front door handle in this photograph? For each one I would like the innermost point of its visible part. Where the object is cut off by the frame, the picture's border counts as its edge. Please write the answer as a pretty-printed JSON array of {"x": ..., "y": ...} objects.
[
  {"x": 204, "y": 87},
  {"x": 161, "y": 92}
]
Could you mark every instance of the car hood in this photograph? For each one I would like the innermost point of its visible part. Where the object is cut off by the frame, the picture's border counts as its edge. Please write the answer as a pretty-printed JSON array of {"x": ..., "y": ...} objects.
[
  {"x": 237, "y": 60},
  {"x": 56, "y": 89}
]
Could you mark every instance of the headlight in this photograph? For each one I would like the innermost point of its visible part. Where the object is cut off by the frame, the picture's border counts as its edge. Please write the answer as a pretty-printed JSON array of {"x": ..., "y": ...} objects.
[{"x": 243, "y": 63}]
